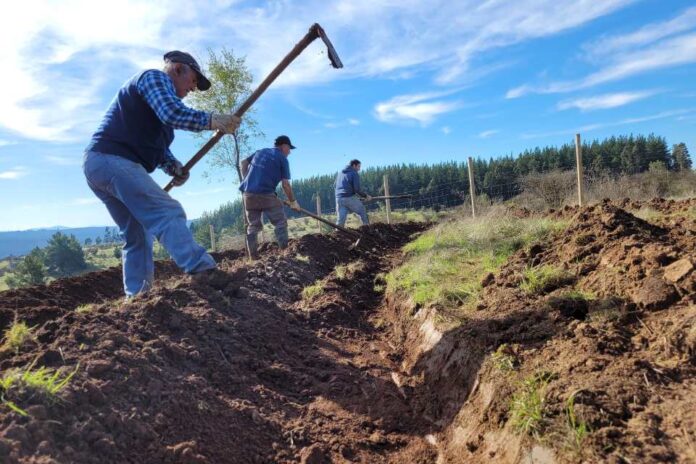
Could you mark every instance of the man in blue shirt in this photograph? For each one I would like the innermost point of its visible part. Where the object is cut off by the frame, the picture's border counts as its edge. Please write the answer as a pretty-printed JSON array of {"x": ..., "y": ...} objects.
[
  {"x": 347, "y": 187},
  {"x": 262, "y": 172},
  {"x": 132, "y": 140}
]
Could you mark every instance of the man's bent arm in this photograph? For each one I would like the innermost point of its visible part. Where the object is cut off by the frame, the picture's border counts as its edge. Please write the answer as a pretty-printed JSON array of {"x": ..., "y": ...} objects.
[{"x": 287, "y": 188}]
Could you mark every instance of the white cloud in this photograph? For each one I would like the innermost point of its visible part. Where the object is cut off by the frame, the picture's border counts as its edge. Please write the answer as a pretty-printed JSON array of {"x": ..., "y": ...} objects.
[
  {"x": 417, "y": 107},
  {"x": 86, "y": 201},
  {"x": 645, "y": 35},
  {"x": 610, "y": 100},
  {"x": 64, "y": 55},
  {"x": 655, "y": 46},
  {"x": 488, "y": 133},
  {"x": 353, "y": 122},
  {"x": 14, "y": 173},
  {"x": 64, "y": 161},
  {"x": 446, "y": 130},
  {"x": 623, "y": 122},
  {"x": 6, "y": 143},
  {"x": 337, "y": 124}
]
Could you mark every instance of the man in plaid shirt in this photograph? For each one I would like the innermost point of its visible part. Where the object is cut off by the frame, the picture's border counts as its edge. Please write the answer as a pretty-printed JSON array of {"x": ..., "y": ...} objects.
[{"x": 132, "y": 140}]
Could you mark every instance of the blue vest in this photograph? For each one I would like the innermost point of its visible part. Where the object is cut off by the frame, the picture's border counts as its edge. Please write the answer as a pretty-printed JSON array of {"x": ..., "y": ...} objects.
[{"x": 131, "y": 129}]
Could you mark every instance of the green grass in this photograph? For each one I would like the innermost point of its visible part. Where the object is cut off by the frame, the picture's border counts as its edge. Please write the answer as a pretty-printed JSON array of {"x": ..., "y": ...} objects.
[
  {"x": 537, "y": 280},
  {"x": 3, "y": 285},
  {"x": 313, "y": 291},
  {"x": 502, "y": 359},
  {"x": 346, "y": 271},
  {"x": 85, "y": 308},
  {"x": 527, "y": 405},
  {"x": 15, "y": 337},
  {"x": 445, "y": 265},
  {"x": 42, "y": 380},
  {"x": 578, "y": 429},
  {"x": 102, "y": 257}
]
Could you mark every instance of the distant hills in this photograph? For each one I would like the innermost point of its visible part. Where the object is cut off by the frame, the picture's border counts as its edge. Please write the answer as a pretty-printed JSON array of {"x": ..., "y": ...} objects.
[{"x": 21, "y": 242}]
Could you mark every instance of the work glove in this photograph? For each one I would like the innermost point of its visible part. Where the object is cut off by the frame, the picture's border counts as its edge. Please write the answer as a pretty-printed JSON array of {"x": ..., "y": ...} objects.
[
  {"x": 179, "y": 173},
  {"x": 295, "y": 206},
  {"x": 227, "y": 123}
]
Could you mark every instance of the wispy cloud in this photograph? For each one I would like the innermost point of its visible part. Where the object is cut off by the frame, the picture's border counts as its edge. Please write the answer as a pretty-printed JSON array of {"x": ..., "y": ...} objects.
[
  {"x": 623, "y": 122},
  {"x": 14, "y": 173},
  {"x": 63, "y": 161},
  {"x": 86, "y": 201},
  {"x": 655, "y": 46},
  {"x": 337, "y": 124},
  {"x": 422, "y": 108},
  {"x": 446, "y": 130},
  {"x": 63, "y": 55},
  {"x": 488, "y": 133},
  {"x": 609, "y": 100},
  {"x": 6, "y": 143}
]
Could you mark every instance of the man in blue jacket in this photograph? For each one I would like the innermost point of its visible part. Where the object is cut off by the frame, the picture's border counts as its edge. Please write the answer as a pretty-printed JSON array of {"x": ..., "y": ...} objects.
[
  {"x": 132, "y": 140},
  {"x": 262, "y": 172},
  {"x": 347, "y": 187}
]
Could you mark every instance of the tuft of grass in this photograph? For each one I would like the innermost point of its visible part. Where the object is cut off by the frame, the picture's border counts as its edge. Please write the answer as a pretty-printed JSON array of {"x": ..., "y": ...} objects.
[
  {"x": 537, "y": 280},
  {"x": 346, "y": 271},
  {"x": 503, "y": 359},
  {"x": 578, "y": 429},
  {"x": 302, "y": 258},
  {"x": 15, "y": 337},
  {"x": 445, "y": 265},
  {"x": 313, "y": 291},
  {"x": 42, "y": 380},
  {"x": 527, "y": 405},
  {"x": 85, "y": 308}
]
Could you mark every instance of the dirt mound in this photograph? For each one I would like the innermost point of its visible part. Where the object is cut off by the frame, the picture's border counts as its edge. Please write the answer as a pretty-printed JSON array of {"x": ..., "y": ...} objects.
[
  {"x": 197, "y": 374},
  {"x": 583, "y": 348}
]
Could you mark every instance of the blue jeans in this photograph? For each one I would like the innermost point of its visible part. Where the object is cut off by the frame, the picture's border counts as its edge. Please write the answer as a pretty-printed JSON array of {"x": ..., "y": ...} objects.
[
  {"x": 344, "y": 205},
  {"x": 142, "y": 209}
]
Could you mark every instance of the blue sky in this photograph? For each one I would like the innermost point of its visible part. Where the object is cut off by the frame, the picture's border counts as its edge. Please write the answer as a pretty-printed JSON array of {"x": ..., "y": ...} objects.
[{"x": 424, "y": 81}]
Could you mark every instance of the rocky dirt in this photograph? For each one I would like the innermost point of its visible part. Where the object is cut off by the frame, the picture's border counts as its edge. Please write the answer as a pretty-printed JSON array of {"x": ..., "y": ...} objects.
[{"x": 249, "y": 370}]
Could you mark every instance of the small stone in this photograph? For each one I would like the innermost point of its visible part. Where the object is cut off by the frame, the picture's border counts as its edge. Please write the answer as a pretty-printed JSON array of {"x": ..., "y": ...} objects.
[
  {"x": 678, "y": 269},
  {"x": 655, "y": 294},
  {"x": 99, "y": 367},
  {"x": 37, "y": 411},
  {"x": 312, "y": 455}
]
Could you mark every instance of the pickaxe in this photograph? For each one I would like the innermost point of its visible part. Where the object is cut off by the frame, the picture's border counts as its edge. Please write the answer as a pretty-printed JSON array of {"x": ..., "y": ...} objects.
[{"x": 315, "y": 32}]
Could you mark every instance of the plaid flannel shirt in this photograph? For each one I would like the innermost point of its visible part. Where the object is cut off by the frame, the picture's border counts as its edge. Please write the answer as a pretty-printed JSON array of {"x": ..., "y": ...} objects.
[{"x": 158, "y": 91}]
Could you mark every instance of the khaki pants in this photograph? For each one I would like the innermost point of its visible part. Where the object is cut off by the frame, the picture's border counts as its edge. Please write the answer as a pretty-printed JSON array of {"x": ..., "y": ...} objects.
[{"x": 256, "y": 204}]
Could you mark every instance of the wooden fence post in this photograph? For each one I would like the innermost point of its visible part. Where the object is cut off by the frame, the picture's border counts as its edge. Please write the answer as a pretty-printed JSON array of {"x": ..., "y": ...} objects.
[
  {"x": 578, "y": 167},
  {"x": 387, "y": 201},
  {"x": 472, "y": 188},
  {"x": 319, "y": 211},
  {"x": 212, "y": 237}
]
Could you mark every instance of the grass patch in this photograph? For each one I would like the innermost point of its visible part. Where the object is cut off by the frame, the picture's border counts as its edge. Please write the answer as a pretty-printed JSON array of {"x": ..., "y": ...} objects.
[
  {"x": 527, "y": 405},
  {"x": 313, "y": 291},
  {"x": 43, "y": 381},
  {"x": 15, "y": 337},
  {"x": 346, "y": 271},
  {"x": 85, "y": 308},
  {"x": 578, "y": 428},
  {"x": 537, "y": 280},
  {"x": 504, "y": 359},
  {"x": 445, "y": 265}
]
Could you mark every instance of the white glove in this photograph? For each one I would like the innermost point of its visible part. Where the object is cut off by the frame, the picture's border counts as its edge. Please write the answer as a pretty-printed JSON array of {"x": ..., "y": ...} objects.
[
  {"x": 295, "y": 206},
  {"x": 227, "y": 123},
  {"x": 180, "y": 175}
]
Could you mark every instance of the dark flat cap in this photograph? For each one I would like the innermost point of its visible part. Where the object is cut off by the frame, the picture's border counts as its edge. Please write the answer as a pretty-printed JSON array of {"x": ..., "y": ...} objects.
[{"x": 176, "y": 56}]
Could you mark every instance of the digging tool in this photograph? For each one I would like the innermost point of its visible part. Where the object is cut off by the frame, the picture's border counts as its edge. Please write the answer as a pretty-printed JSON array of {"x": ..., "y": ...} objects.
[
  {"x": 315, "y": 32},
  {"x": 346, "y": 231}
]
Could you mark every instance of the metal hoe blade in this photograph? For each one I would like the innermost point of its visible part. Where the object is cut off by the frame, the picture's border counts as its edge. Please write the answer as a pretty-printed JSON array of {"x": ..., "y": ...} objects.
[{"x": 333, "y": 56}]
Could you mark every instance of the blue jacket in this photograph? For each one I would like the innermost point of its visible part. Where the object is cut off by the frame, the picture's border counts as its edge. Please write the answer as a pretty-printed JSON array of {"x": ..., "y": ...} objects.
[{"x": 348, "y": 183}]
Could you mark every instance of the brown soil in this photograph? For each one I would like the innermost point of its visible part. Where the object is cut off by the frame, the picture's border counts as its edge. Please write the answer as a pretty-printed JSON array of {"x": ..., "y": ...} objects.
[
  {"x": 246, "y": 370},
  {"x": 193, "y": 373},
  {"x": 627, "y": 356}
]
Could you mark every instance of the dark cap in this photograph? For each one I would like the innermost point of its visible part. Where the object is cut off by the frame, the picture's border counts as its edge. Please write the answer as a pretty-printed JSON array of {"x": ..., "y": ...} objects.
[
  {"x": 281, "y": 139},
  {"x": 176, "y": 56}
]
